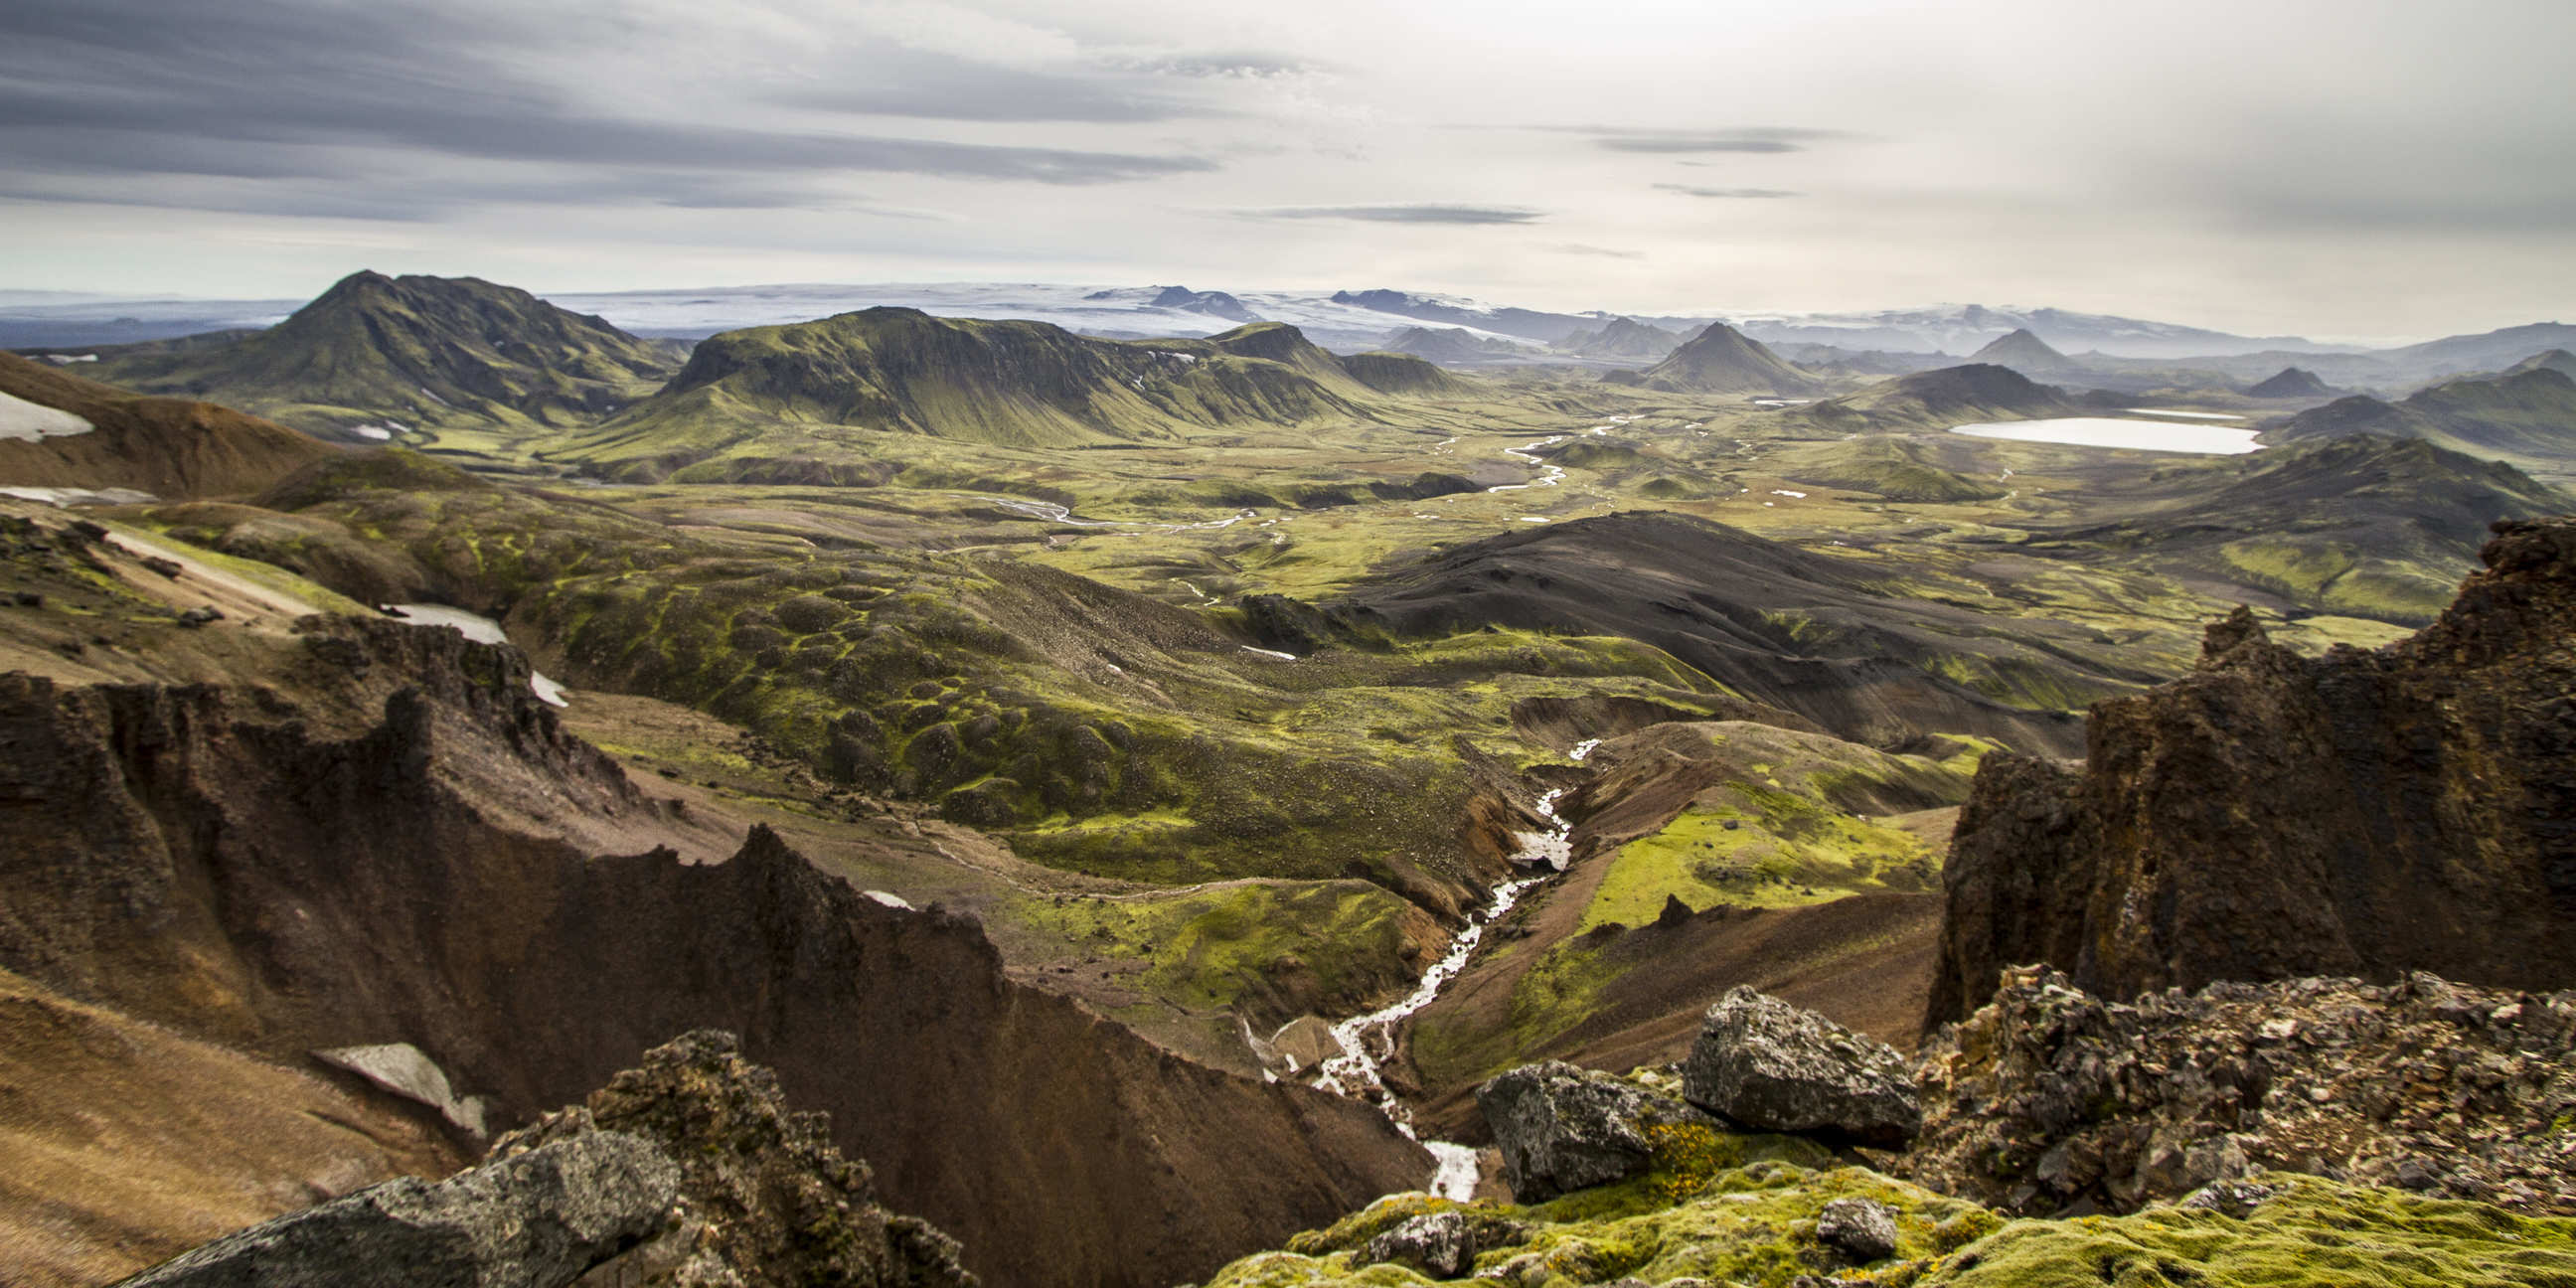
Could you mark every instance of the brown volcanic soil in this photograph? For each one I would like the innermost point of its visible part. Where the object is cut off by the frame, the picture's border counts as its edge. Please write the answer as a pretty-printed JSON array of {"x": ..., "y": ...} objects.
[
  {"x": 412, "y": 849},
  {"x": 2269, "y": 816},
  {"x": 123, "y": 1144},
  {"x": 170, "y": 447}
]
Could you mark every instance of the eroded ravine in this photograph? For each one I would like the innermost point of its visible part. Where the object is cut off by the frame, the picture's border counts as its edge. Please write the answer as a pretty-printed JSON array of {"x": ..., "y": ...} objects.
[{"x": 1366, "y": 1041}]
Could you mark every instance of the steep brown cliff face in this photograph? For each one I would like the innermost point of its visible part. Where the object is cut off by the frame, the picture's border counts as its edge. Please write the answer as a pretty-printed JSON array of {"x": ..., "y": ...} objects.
[
  {"x": 231, "y": 864},
  {"x": 2271, "y": 815}
]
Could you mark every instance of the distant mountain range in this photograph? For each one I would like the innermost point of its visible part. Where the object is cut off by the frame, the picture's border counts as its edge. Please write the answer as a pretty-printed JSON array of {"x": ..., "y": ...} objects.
[{"x": 1346, "y": 320}]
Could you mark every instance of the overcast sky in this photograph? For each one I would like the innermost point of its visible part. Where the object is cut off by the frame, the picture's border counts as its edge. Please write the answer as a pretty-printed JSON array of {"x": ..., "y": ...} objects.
[{"x": 2353, "y": 168}]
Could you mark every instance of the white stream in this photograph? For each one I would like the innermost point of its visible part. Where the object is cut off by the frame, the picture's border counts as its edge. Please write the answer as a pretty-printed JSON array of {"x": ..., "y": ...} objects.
[{"x": 1366, "y": 1040}]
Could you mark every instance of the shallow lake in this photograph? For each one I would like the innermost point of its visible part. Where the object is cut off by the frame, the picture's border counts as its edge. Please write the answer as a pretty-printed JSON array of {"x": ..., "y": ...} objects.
[{"x": 2139, "y": 435}]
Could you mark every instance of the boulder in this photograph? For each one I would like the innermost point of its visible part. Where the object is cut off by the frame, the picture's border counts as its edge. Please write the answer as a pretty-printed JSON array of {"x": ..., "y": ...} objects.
[
  {"x": 1564, "y": 1128},
  {"x": 540, "y": 1219},
  {"x": 1861, "y": 1229},
  {"x": 1438, "y": 1244},
  {"x": 1766, "y": 1064}
]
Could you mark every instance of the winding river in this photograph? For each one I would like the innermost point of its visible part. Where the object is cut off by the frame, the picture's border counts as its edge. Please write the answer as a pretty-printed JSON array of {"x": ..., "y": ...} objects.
[{"x": 1367, "y": 1040}]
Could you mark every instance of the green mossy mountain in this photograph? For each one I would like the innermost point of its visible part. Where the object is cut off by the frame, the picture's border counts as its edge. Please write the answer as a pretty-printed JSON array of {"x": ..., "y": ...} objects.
[
  {"x": 2291, "y": 382},
  {"x": 1939, "y": 399},
  {"x": 406, "y": 354},
  {"x": 770, "y": 393},
  {"x": 1723, "y": 360},
  {"x": 2363, "y": 526},
  {"x": 2558, "y": 360},
  {"x": 2527, "y": 416}
]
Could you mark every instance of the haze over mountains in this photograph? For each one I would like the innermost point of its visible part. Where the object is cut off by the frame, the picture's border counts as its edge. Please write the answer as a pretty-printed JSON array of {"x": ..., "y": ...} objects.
[{"x": 1354, "y": 321}]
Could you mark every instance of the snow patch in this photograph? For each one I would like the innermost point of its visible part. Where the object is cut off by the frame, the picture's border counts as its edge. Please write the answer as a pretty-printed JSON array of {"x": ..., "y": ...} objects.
[{"x": 29, "y": 421}]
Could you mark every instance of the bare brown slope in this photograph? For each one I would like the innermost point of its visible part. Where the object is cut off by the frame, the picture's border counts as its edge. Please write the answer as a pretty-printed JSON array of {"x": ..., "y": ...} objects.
[
  {"x": 123, "y": 1144},
  {"x": 2270, "y": 815},
  {"x": 226, "y": 862},
  {"x": 170, "y": 447}
]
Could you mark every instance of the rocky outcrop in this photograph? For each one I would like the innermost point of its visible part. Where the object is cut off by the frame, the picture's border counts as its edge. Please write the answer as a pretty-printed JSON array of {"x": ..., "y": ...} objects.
[
  {"x": 764, "y": 1197},
  {"x": 2049, "y": 1098},
  {"x": 1564, "y": 1128},
  {"x": 536, "y": 1220},
  {"x": 1771, "y": 1066},
  {"x": 450, "y": 869},
  {"x": 2271, "y": 815},
  {"x": 689, "y": 1170}
]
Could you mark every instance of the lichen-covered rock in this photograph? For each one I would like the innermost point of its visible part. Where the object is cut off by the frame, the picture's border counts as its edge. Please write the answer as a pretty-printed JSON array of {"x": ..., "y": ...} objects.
[
  {"x": 1436, "y": 1243},
  {"x": 765, "y": 1197},
  {"x": 1769, "y": 1065},
  {"x": 1564, "y": 1128},
  {"x": 2272, "y": 816},
  {"x": 1863, "y": 1229},
  {"x": 2049, "y": 1097},
  {"x": 535, "y": 1220}
]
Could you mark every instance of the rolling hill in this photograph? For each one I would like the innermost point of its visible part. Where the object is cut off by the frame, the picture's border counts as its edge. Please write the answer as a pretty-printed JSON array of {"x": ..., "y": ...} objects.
[
  {"x": 777, "y": 393},
  {"x": 1940, "y": 399},
  {"x": 2291, "y": 382},
  {"x": 2527, "y": 417},
  {"x": 169, "y": 447},
  {"x": 2357, "y": 525},
  {"x": 379, "y": 358}
]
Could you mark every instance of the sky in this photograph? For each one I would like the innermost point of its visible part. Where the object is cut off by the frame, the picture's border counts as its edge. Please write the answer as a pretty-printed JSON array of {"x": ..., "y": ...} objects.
[{"x": 2353, "y": 169}]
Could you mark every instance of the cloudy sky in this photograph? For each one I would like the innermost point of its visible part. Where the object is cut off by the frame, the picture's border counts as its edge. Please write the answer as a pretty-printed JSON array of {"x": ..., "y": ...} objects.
[{"x": 2352, "y": 168}]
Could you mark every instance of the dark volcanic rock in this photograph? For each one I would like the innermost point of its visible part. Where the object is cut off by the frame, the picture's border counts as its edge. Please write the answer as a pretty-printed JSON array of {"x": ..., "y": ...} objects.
[
  {"x": 2049, "y": 1098},
  {"x": 536, "y": 1220},
  {"x": 1766, "y": 1064},
  {"x": 460, "y": 873},
  {"x": 1563, "y": 1128},
  {"x": 2272, "y": 815},
  {"x": 766, "y": 1198}
]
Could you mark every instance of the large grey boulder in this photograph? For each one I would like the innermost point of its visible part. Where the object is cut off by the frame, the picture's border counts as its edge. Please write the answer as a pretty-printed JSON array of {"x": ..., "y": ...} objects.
[
  {"x": 1766, "y": 1064},
  {"x": 538, "y": 1220},
  {"x": 1438, "y": 1244},
  {"x": 1564, "y": 1128}
]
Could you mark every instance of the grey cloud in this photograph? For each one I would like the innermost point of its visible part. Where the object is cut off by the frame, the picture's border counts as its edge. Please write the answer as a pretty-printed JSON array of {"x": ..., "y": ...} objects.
[
  {"x": 1750, "y": 139},
  {"x": 1420, "y": 214},
  {"x": 1578, "y": 248},
  {"x": 1688, "y": 190},
  {"x": 1237, "y": 66},
  {"x": 207, "y": 89},
  {"x": 904, "y": 83}
]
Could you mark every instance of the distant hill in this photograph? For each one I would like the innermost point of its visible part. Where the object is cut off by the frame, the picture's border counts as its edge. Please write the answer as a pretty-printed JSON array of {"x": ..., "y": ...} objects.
[
  {"x": 802, "y": 391},
  {"x": 2528, "y": 416},
  {"x": 1722, "y": 360},
  {"x": 2486, "y": 351},
  {"x": 1452, "y": 344},
  {"x": 1940, "y": 399},
  {"x": 1530, "y": 324},
  {"x": 1403, "y": 375},
  {"x": 172, "y": 448},
  {"x": 2026, "y": 353},
  {"x": 378, "y": 357},
  {"x": 1213, "y": 303},
  {"x": 1622, "y": 338},
  {"x": 2292, "y": 382},
  {"x": 2558, "y": 360},
  {"x": 2361, "y": 525}
]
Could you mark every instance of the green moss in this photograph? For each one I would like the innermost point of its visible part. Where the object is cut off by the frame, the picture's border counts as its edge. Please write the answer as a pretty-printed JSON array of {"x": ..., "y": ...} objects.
[{"x": 2318, "y": 1234}]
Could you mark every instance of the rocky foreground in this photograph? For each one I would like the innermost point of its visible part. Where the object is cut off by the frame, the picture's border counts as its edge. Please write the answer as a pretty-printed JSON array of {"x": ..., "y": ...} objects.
[{"x": 2315, "y": 1132}]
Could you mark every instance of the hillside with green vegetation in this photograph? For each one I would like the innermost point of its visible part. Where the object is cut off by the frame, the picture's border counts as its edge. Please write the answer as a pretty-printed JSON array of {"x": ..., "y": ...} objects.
[
  {"x": 2527, "y": 417},
  {"x": 830, "y": 394},
  {"x": 459, "y": 366}
]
